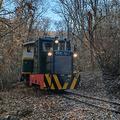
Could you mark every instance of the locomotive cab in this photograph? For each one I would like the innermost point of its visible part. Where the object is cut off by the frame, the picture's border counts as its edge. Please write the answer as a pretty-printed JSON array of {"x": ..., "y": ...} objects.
[
  {"x": 27, "y": 60},
  {"x": 52, "y": 57}
]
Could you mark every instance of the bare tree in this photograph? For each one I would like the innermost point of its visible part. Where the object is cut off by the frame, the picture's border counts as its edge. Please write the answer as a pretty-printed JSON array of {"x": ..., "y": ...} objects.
[
  {"x": 89, "y": 19},
  {"x": 15, "y": 28},
  {"x": 61, "y": 29}
]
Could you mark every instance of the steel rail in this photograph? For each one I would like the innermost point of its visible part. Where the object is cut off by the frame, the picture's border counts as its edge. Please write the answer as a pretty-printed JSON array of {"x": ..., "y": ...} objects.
[
  {"x": 93, "y": 98},
  {"x": 112, "y": 110}
]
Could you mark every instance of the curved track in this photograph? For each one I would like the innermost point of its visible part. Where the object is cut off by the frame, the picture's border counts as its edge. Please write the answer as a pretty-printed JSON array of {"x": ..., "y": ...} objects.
[{"x": 82, "y": 99}]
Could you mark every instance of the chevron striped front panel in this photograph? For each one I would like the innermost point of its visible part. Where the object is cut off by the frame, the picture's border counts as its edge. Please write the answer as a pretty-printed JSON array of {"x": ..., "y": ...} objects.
[{"x": 61, "y": 82}]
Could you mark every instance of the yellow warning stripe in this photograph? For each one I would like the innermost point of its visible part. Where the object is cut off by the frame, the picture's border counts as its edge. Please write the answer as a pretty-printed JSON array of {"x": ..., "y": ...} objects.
[
  {"x": 26, "y": 72},
  {"x": 48, "y": 79},
  {"x": 62, "y": 75},
  {"x": 65, "y": 85},
  {"x": 45, "y": 85},
  {"x": 52, "y": 87},
  {"x": 69, "y": 76},
  {"x": 80, "y": 84},
  {"x": 73, "y": 83},
  {"x": 57, "y": 82},
  {"x": 28, "y": 58}
]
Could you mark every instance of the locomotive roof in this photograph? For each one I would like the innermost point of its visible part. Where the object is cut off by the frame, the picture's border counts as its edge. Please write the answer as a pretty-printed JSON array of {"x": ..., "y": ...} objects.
[
  {"x": 46, "y": 39},
  {"x": 52, "y": 39},
  {"x": 27, "y": 43}
]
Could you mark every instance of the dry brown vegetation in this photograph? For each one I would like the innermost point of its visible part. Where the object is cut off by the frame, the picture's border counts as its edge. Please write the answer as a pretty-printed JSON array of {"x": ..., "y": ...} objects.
[
  {"x": 95, "y": 30},
  {"x": 17, "y": 26}
]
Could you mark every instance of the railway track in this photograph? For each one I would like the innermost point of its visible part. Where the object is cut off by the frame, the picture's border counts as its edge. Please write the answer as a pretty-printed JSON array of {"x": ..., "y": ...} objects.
[{"x": 92, "y": 101}]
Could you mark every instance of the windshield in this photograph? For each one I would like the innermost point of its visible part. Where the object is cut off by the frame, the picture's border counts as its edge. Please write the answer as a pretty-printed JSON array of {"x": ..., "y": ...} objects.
[
  {"x": 61, "y": 46},
  {"x": 48, "y": 46}
]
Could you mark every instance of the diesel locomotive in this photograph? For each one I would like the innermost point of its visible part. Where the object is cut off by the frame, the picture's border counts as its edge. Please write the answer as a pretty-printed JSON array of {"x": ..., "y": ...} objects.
[{"x": 48, "y": 62}]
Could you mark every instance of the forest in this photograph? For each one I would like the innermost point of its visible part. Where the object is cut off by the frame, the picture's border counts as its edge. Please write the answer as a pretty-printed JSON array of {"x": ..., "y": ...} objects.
[{"x": 94, "y": 25}]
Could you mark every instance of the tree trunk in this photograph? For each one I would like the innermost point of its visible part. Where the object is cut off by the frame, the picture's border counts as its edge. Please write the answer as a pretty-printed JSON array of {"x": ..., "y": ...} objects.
[
  {"x": 30, "y": 28},
  {"x": 1, "y": 2},
  {"x": 91, "y": 38}
]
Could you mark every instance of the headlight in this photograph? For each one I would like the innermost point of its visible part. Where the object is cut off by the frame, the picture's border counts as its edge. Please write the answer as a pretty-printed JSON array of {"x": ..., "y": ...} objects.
[
  {"x": 75, "y": 55},
  {"x": 56, "y": 41},
  {"x": 50, "y": 54}
]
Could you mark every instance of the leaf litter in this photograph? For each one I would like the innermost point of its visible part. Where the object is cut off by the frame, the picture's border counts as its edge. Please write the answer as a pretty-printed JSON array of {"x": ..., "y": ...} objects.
[{"x": 28, "y": 103}]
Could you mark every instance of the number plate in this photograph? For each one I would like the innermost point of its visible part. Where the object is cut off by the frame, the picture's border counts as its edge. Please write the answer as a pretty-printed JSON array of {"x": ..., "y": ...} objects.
[{"x": 62, "y": 53}]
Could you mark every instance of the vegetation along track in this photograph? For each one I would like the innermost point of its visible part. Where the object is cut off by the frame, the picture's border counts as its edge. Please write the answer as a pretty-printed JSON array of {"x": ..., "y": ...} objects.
[{"x": 91, "y": 101}]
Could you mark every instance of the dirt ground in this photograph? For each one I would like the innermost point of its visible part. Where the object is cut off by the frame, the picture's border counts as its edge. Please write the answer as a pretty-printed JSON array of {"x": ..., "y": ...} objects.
[{"x": 24, "y": 102}]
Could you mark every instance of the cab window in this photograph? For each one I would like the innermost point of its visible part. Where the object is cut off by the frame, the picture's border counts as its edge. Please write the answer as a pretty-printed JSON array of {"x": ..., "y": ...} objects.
[
  {"x": 28, "y": 48},
  {"x": 47, "y": 46}
]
